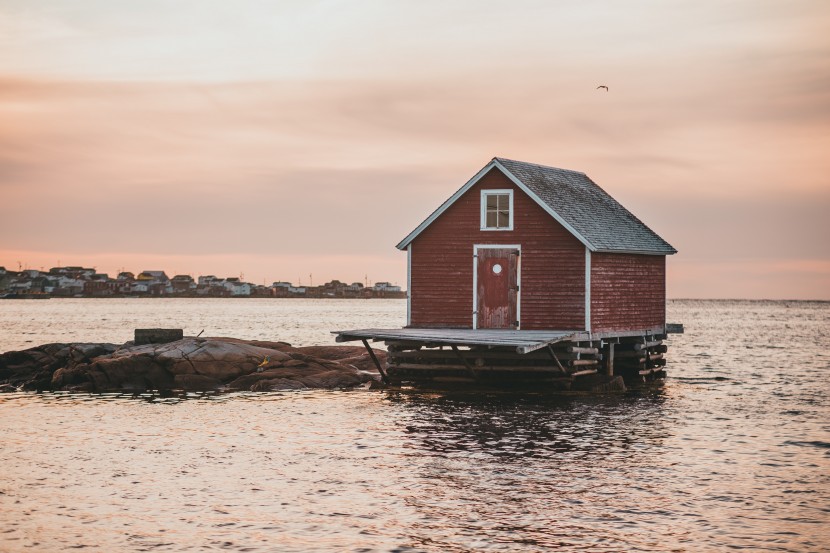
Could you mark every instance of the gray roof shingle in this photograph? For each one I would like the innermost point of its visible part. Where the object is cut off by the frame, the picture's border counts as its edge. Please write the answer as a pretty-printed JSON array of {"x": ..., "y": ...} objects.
[
  {"x": 585, "y": 209},
  {"x": 588, "y": 209}
]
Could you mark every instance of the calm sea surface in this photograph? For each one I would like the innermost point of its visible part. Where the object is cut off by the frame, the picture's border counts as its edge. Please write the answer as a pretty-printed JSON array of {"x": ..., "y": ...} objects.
[{"x": 732, "y": 452}]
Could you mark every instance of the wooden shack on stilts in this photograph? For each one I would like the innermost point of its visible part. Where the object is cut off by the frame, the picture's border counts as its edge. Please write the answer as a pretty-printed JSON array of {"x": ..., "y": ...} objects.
[{"x": 529, "y": 275}]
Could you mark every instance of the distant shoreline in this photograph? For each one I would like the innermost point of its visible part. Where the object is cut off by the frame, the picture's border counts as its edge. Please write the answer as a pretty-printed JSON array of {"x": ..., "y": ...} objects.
[
  {"x": 85, "y": 282},
  {"x": 402, "y": 296}
]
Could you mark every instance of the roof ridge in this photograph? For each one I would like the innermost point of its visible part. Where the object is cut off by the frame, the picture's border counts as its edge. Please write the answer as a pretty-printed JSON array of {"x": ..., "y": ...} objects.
[{"x": 538, "y": 165}]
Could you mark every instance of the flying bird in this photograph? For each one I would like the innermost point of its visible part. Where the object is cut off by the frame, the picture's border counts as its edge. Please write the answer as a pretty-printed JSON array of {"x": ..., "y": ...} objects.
[{"x": 603, "y": 86}]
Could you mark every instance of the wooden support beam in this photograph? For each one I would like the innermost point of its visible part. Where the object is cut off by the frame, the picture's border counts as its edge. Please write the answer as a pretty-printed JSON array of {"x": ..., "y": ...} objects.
[
  {"x": 419, "y": 367},
  {"x": 583, "y": 363},
  {"x": 463, "y": 360},
  {"x": 556, "y": 359},
  {"x": 577, "y": 349},
  {"x": 648, "y": 344},
  {"x": 584, "y": 373},
  {"x": 608, "y": 353},
  {"x": 375, "y": 359},
  {"x": 473, "y": 354}
]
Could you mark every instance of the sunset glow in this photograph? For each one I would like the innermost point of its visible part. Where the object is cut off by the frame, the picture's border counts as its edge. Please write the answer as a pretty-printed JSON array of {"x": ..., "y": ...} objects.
[{"x": 281, "y": 140}]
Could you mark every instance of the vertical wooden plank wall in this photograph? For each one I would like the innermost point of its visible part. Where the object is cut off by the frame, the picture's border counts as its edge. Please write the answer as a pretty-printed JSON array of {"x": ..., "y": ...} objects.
[
  {"x": 552, "y": 264},
  {"x": 628, "y": 291}
]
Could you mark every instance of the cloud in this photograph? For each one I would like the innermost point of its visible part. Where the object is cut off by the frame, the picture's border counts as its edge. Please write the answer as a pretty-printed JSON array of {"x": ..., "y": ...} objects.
[{"x": 230, "y": 131}]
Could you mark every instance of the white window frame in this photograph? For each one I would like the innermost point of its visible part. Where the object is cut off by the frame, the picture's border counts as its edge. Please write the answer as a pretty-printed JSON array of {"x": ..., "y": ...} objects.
[{"x": 493, "y": 192}]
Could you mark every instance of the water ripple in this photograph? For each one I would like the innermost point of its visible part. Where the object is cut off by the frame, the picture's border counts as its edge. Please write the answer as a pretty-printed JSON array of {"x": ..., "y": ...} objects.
[{"x": 733, "y": 452}]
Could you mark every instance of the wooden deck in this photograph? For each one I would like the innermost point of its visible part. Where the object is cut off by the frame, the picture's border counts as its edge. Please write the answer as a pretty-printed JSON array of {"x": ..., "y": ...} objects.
[
  {"x": 524, "y": 341},
  {"x": 419, "y": 355}
]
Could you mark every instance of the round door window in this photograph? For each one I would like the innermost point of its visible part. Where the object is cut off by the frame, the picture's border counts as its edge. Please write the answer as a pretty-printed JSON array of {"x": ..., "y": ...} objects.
[{"x": 497, "y": 268}]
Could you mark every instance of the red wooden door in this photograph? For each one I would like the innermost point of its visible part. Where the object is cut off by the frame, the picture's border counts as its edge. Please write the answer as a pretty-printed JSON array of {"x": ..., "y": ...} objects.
[{"x": 497, "y": 287}]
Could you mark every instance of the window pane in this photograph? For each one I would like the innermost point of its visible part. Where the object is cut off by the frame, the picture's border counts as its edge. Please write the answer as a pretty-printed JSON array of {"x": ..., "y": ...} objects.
[
  {"x": 491, "y": 219},
  {"x": 496, "y": 210}
]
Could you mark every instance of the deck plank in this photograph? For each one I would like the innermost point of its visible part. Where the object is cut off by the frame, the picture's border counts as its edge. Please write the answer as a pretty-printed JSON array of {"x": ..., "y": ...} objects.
[{"x": 524, "y": 341}]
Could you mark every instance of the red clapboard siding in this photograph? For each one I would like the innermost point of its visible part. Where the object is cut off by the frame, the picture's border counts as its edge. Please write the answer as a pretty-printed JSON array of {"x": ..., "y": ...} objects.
[
  {"x": 627, "y": 291},
  {"x": 552, "y": 264}
]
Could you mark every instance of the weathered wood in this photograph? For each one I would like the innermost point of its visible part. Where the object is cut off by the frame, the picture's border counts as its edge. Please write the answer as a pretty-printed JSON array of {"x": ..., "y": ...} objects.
[
  {"x": 540, "y": 355},
  {"x": 584, "y": 373},
  {"x": 645, "y": 345},
  {"x": 524, "y": 341},
  {"x": 553, "y": 355},
  {"x": 402, "y": 346},
  {"x": 426, "y": 357},
  {"x": 577, "y": 349},
  {"x": 488, "y": 368},
  {"x": 626, "y": 291},
  {"x": 375, "y": 360},
  {"x": 583, "y": 363},
  {"x": 464, "y": 361},
  {"x": 608, "y": 353}
]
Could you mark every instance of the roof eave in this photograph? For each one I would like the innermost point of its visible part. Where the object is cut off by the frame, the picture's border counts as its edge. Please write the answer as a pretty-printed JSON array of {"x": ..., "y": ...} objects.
[
  {"x": 443, "y": 207},
  {"x": 639, "y": 252}
]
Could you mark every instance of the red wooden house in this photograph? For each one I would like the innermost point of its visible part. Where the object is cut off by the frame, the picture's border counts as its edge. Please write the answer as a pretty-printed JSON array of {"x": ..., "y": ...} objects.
[
  {"x": 529, "y": 247},
  {"x": 529, "y": 274}
]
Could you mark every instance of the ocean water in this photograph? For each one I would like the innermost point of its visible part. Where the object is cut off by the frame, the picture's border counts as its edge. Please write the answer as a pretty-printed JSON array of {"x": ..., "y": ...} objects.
[{"x": 731, "y": 452}]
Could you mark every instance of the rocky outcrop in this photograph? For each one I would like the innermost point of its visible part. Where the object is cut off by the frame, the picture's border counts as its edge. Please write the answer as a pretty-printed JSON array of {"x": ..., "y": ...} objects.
[
  {"x": 32, "y": 369},
  {"x": 190, "y": 364}
]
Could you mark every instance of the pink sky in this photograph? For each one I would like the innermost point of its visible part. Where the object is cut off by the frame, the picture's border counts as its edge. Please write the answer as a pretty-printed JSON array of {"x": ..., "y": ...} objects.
[{"x": 282, "y": 139}]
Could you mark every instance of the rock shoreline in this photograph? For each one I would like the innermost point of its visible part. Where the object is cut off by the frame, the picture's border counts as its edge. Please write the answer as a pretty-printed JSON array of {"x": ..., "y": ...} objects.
[{"x": 192, "y": 365}]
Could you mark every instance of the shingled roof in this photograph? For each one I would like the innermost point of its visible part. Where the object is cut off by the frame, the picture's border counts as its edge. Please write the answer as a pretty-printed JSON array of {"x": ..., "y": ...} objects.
[{"x": 583, "y": 208}]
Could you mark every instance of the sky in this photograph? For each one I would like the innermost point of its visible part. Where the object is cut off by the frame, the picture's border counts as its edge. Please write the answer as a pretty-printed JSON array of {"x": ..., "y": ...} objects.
[{"x": 300, "y": 141}]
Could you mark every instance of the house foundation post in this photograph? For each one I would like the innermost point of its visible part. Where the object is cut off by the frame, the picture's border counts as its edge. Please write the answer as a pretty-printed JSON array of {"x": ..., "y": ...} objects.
[{"x": 608, "y": 354}]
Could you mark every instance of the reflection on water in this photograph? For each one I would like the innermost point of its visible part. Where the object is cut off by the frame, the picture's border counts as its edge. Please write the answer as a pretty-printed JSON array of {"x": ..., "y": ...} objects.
[
  {"x": 510, "y": 427},
  {"x": 732, "y": 452}
]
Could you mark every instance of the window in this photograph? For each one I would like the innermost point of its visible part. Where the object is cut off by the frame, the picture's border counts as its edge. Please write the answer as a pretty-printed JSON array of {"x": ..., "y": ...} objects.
[{"x": 496, "y": 210}]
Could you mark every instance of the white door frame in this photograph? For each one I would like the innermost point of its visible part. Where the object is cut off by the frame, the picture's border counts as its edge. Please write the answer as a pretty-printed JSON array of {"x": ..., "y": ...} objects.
[{"x": 477, "y": 247}]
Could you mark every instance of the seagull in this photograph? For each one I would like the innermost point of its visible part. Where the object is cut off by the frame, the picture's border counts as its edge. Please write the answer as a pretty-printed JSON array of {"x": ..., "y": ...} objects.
[{"x": 603, "y": 86}]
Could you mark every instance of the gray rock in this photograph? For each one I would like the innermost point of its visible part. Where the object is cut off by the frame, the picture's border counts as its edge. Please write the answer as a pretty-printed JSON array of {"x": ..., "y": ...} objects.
[{"x": 190, "y": 364}]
